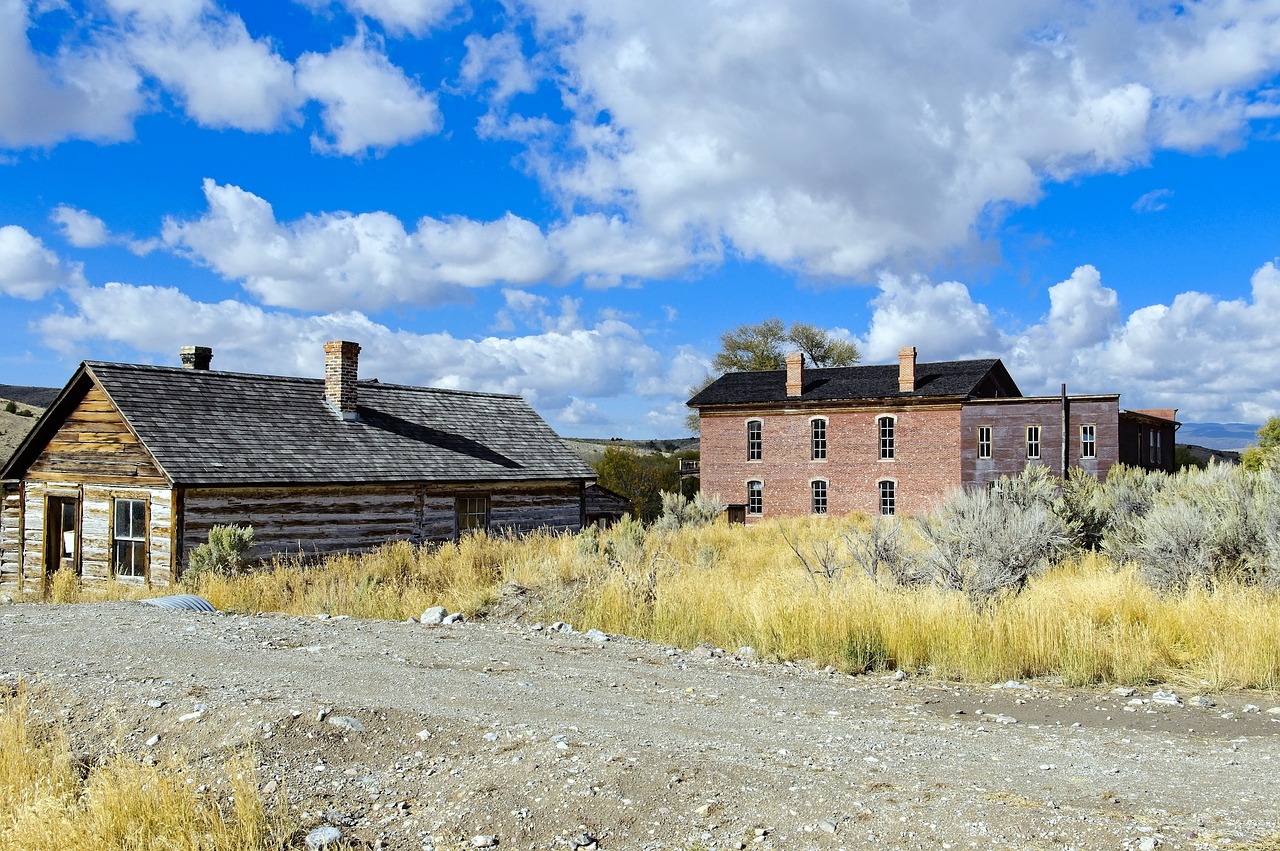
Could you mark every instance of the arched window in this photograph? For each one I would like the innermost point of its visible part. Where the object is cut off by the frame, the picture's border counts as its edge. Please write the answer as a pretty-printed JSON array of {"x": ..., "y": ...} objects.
[
  {"x": 885, "y": 426},
  {"x": 888, "y": 497},
  {"x": 818, "y": 492},
  {"x": 818, "y": 443},
  {"x": 755, "y": 440},
  {"x": 755, "y": 497}
]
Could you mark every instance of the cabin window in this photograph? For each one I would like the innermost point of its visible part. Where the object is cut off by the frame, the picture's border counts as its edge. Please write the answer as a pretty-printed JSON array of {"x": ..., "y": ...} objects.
[
  {"x": 818, "y": 489},
  {"x": 1088, "y": 441},
  {"x": 473, "y": 513},
  {"x": 1033, "y": 441},
  {"x": 129, "y": 538},
  {"x": 755, "y": 497},
  {"x": 886, "y": 438},
  {"x": 1154, "y": 437},
  {"x": 888, "y": 497},
  {"x": 818, "y": 428},
  {"x": 755, "y": 440},
  {"x": 984, "y": 441}
]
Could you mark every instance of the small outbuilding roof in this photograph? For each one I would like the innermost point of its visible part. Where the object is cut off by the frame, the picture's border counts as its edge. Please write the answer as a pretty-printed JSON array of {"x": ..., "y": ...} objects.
[
  {"x": 224, "y": 428},
  {"x": 949, "y": 379}
]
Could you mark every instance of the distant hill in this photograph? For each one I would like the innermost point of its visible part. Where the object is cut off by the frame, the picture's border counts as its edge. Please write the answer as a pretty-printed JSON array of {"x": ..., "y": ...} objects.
[
  {"x": 1205, "y": 454},
  {"x": 590, "y": 449},
  {"x": 41, "y": 397},
  {"x": 1220, "y": 436},
  {"x": 14, "y": 426}
]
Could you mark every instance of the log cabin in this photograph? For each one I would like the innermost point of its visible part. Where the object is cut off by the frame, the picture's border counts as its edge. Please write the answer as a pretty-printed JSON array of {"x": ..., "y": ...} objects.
[
  {"x": 132, "y": 465},
  {"x": 896, "y": 439}
]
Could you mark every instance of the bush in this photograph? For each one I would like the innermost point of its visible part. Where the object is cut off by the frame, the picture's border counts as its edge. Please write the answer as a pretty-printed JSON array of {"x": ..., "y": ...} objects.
[
  {"x": 988, "y": 546},
  {"x": 222, "y": 555},
  {"x": 679, "y": 512},
  {"x": 883, "y": 552}
]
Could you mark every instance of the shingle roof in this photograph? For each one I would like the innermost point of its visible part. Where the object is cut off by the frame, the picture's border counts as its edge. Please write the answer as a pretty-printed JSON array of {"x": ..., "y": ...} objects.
[
  {"x": 215, "y": 427},
  {"x": 952, "y": 379}
]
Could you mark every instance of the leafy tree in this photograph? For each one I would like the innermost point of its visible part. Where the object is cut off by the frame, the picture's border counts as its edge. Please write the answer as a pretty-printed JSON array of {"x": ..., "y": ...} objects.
[
  {"x": 640, "y": 477},
  {"x": 765, "y": 345},
  {"x": 1268, "y": 448}
]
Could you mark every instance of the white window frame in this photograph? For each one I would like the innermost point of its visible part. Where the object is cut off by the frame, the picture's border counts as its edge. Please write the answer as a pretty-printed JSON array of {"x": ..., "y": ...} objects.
[
  {"x": 818, "y": 442},
  {"x": 1088, "y": 440},
  {"x": 1033, "y": 442},
  {"x": 818, "y": 502},
  {"x": 984, "y": 445},
  {"x": 755, "y": 497},
  {"x": 755, "y": 445},
  {"x": 130, "y": 539},
  {"x": 888, "y": 448}
]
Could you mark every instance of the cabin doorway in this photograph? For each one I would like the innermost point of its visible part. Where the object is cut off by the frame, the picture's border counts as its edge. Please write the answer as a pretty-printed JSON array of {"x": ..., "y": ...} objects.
[{"x": 62, "y": 534}]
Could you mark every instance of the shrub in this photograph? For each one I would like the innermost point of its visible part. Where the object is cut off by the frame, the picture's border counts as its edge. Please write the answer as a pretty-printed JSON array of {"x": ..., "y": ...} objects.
[
  {"x": 222, "y": 555},
  {"x": 987, "y": 546},
  {"x": 679, "y": 512},
  {"x": 10, "y": 407},
  {"x": 884, "y": 553}
]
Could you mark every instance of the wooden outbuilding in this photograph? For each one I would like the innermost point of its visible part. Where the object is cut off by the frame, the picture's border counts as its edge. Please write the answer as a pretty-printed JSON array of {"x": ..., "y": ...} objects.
[{"x": 132, "y": 465}]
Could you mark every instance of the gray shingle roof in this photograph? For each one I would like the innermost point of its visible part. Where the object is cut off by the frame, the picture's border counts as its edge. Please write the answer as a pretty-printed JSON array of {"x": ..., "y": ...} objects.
[
  {"x": 215, "y": 427},
  {"x": 956, "y": 379}
]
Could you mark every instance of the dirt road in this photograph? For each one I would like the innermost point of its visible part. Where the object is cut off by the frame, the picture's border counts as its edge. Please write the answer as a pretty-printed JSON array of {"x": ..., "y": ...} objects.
[{"x": 540, "y": 739}]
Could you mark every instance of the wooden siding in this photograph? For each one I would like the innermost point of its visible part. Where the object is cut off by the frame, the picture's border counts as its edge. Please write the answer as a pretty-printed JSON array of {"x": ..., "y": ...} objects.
[
  {"x": 97, "y": 505},
  {"x": 339, "y": 518},
  {"x": 10, "y": 536},
  {"x": 95, "y": 444}
]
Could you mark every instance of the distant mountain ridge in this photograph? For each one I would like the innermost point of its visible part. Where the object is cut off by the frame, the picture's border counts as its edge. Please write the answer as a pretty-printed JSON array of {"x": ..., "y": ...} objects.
[
  {"x": 41, "y": 397},
  {"x": 1220, "y": 436}
]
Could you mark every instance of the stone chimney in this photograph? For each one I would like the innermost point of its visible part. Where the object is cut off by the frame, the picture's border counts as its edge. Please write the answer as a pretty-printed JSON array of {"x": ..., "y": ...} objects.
[
  {"x": 907, "y": 369},
  {"x": 341, "y": 359},
  {"x": 795, "y": 374},
  {"x": 195, "y": 357}
]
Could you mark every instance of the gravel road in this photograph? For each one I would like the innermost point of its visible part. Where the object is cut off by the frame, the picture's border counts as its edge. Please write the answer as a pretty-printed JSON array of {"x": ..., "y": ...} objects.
[{"x": 526, "y": 737}]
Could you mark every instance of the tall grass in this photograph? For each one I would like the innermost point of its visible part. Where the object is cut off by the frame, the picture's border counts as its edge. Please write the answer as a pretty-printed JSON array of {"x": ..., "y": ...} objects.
[
  {"x": 48, "y": 802},
  {"x": 1085, "y": 620}
]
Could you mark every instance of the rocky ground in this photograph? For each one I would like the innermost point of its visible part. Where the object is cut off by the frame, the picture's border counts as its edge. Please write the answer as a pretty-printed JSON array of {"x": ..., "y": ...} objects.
[{"x": 406, "y": 736}]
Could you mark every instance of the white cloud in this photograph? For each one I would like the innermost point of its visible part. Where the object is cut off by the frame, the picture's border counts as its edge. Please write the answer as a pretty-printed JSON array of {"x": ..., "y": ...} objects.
[
  {"x": 367, "y": 103},
  {"x": 498, "y": 60},
  {"x": 1212, "y": 358},
  {"x": 28, "y": 270},
  {"x": 222, "y": 76},
  {"x": 1153, "y": 201},
  {"x": 80, "y": 228},
  {"x": 90, "y": 94},
  {"x": 550, "y": 369},
  {"x": 368, "y": 261},
  {"x": 413, "y": 16},
  {"x": 838, "y": 138}
]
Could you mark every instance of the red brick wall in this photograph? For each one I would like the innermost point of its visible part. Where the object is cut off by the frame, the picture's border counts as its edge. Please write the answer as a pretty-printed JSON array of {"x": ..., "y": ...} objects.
[{"x": 926, "y": 465}]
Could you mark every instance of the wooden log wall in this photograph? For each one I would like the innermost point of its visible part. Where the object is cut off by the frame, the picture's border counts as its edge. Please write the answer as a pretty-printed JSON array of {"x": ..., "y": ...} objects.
[
  {"x": 10, "y": 535},
  {"x": 525, "y": 508},
  {"x": 33, "y": 497}
]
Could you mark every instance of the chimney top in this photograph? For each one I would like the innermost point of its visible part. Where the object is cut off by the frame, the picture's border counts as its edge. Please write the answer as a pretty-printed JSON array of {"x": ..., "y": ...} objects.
[
  {"x": 907, "y": 369},
  {"x": 795, "y": 374},
  {"x": 195, "y": 357},
  {"x": 341, "y": 361}
]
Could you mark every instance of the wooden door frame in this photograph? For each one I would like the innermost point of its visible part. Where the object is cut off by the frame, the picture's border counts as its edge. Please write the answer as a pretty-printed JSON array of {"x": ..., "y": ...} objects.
[{"x": 59, "y": 499}]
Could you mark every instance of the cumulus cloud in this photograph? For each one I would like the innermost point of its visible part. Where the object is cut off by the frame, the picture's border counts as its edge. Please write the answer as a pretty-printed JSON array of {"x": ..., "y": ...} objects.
[
  {"x": 412, "y": 16},
  {"x": 840, "y": 138},
  {"x": 498, "y": 60},
  {"x": 28, "y": 270},
  {"x": 366, "y": 102},
  {"x": 92, "y": 93},
  {"x": 552, "y": 369},
  {"x": 80, "y": 228},
  {"x": 1212, "y": 358},
  {"x": 370, "y": 260}
]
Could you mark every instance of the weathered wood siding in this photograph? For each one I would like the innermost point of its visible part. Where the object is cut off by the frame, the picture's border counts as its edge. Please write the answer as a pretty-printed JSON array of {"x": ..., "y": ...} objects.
[
  {"x": 95, "y": 445},
  {"x": 303, "y": 520},
  {"x": 1008, "y": 420},
  {"x": 10, "y": 535},
  {"x": 342, "y": 518}
]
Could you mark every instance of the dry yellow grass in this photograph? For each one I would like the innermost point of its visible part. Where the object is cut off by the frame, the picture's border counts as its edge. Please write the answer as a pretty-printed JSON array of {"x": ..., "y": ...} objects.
[
  {"x": 46, "y": 803},
  {"x": 1086, "y": 621}
]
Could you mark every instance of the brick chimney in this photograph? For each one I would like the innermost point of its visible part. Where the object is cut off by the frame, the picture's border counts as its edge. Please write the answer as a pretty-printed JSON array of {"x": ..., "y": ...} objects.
[
  {"x": 795, "y": 374},
  {"x": 907, "y": 369},
  {"x": 341, "y": 359},
  {"x": 195, "y": 357}
]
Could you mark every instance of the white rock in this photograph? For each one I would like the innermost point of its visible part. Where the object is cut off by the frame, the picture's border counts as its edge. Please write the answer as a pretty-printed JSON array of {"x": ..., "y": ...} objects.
[
  {"x": 424, "y": 734},
  {"x": 1124, "y": 691},
  {"x": 1168, "y": 698},
  {"x": 1202, "y": 701},
  {"x": 347, "y": 722},
  {"x": 153, "y": 741},
  {"x": 483, "y": 841},
  {"x": 433, "y": 616},
  {"x": 1005, "y": 719},
  {"x": 597, "y": 636},
  {"x": 323, "y": 837}
]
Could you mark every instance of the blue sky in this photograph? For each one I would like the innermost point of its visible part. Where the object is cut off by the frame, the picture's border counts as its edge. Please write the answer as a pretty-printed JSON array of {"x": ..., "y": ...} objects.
[{"x": 573, "y": 199}]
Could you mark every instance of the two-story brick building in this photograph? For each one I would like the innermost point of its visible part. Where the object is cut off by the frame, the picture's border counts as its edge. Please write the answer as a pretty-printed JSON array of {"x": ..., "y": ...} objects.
[{"x": 897, "y": 439}]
